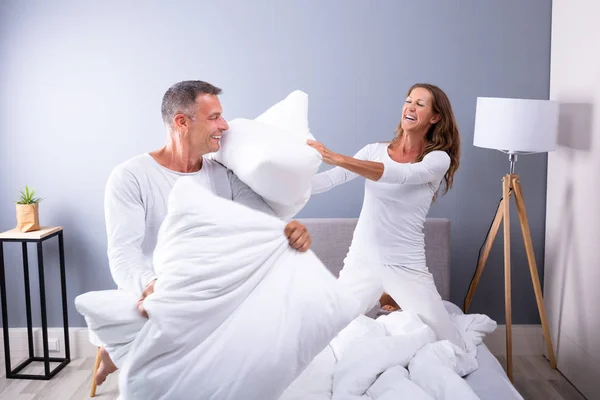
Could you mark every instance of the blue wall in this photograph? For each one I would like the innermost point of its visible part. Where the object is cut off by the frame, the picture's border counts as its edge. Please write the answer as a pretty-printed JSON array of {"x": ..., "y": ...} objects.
[{"x": 81, "y": 85}]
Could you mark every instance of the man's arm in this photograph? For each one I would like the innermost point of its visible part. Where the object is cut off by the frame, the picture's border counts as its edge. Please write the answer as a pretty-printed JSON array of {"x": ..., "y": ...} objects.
[
  {"x": 244, "y": 195},
  {"x": 125, "y": 228}
]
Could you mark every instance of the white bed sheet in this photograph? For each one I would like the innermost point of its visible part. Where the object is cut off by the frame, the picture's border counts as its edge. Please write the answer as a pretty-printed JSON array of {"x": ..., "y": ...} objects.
[{"x": 489, "y": 381}]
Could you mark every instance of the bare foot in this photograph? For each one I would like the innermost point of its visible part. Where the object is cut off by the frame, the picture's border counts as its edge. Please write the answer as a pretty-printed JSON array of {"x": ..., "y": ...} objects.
[
  {"x": 387, "y": 303},
  {"x": 106, "y": 367}
]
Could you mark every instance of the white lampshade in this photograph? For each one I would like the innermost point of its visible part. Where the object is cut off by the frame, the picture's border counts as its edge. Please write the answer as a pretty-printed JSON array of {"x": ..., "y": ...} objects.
[{"x": 516, "y": 125}]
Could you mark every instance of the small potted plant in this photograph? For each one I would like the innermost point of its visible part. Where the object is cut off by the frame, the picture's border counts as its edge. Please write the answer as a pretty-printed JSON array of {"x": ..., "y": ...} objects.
[{"x": 28, "y": 217}]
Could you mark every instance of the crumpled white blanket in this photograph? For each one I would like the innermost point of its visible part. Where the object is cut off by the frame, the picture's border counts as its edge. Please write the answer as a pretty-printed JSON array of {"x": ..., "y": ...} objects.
[
  {"x": 397, "y": 356},
  {"x": 236, "y": 312}
]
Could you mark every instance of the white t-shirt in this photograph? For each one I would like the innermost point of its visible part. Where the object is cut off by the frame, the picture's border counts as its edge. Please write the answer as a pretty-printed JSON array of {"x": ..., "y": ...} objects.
[
  {"x": 390, "y": 226},
  {"x": 135, "y": 205}
]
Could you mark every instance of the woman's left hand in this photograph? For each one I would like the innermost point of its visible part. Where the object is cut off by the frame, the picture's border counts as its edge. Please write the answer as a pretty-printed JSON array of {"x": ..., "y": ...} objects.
[{"x": 329, "y": 157}]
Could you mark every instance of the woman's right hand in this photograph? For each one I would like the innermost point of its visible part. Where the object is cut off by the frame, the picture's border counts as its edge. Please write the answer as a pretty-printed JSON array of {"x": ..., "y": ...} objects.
[{"x": 329, "y": 157}]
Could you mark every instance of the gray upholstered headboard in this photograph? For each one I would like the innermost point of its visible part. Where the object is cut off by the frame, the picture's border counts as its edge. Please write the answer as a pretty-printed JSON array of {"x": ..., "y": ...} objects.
[{"x": 332, "y": 237}]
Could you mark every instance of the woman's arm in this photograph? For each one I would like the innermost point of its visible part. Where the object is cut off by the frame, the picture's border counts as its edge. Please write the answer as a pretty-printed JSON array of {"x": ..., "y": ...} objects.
[
  {"x": 329, "y": 179},
  {"x": 336, "y": 176},
  {"x": 372, "y": 170},
  {"x": 357, "y": 165},
  {"x": 432, "y": 168}
]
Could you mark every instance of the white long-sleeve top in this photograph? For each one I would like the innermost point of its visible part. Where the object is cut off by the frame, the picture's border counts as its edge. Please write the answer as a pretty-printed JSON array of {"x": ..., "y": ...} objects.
[
  {"x": 390, "y": 225},
  {"x": 135, "y": 205}
]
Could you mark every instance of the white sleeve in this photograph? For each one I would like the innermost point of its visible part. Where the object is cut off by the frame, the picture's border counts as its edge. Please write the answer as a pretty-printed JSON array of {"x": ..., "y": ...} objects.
[
  {"x": 432, "y": 168},
  {"x": 244, "y": 195},
  {"x": 125, "y": 227},
  {"x": 327, "y": 180}
]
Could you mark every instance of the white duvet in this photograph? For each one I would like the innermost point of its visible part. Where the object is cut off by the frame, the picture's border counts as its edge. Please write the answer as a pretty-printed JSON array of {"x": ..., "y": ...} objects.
[
  {"x": 236, "y": 313},
  {"x": 397, "y": 356}
]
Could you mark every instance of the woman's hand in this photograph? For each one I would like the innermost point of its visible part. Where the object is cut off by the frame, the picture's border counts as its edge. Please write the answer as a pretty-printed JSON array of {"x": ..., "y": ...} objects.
[
  {"x": 372, "y": 170},
  {"x": 329, "y": 157}
]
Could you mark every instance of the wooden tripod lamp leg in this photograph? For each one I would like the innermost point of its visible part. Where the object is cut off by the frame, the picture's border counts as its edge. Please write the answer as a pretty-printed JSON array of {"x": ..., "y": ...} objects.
[
  {"x": 533, "y": 268},
  {"x": 96, "y": 365},
  {"x": 485, "y": 253},
  {"x": 507, "y": 284}
]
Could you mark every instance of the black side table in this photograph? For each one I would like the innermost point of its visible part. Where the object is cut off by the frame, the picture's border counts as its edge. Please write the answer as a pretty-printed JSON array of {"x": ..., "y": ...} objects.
[{"x": 37, "y": 237}]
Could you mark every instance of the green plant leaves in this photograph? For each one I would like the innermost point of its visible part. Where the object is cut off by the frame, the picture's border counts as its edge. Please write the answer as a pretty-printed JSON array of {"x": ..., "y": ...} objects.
[{"x": 28, "y": 196}]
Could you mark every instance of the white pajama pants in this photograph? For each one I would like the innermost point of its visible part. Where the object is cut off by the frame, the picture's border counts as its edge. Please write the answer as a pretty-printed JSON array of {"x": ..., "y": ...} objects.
[
  {"x": 117, "y": 327},
  {"x": 413, "y": 289}
]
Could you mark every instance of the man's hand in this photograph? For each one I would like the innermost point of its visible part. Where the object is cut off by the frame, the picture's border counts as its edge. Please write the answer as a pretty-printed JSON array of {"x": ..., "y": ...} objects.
[
  {"x": 147, "y": 291},
  {"x": 298, "y": 236}
]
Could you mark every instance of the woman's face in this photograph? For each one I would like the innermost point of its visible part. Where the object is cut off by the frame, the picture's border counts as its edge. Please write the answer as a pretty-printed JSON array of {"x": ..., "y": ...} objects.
[{"x": 417, "y": 112}]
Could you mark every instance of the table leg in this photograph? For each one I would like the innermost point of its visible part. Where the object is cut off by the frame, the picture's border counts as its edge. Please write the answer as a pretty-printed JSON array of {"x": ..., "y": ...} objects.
[
  {"x": 4, "y": 312},
  {"x": 40, "y": 257},
  {"x": 63, "y": 283},
  {"x": 27, "y": 299}
]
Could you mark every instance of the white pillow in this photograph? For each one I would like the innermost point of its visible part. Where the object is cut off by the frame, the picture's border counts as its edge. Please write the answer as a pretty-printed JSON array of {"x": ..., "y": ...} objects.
[
  {"x": 270, "y": 154},
  {"x": 290, "y": 114}
]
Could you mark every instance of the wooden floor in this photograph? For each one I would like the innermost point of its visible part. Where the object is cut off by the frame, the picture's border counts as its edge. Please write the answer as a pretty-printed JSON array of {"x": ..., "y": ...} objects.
[
  {"x": 534, "y": 379},
  {"x": 72, "y": 383}
]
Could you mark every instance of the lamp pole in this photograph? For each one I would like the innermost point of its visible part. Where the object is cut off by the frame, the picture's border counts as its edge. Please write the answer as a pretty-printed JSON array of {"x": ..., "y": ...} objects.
[{"x": 512, "y": 157}]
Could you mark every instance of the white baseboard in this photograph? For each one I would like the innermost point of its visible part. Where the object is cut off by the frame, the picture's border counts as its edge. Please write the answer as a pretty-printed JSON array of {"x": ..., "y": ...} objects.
[
  {"x": 80, "y": 345},
  {"x": 526, "y": 340}
]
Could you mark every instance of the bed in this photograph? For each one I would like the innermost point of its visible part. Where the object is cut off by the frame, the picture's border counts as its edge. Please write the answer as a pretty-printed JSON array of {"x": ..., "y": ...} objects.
[{"x": 331, "y": 240}]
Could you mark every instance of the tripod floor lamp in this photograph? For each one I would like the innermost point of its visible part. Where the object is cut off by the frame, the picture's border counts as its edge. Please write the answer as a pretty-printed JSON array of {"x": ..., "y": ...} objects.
[{"x": 514, "y": 126}]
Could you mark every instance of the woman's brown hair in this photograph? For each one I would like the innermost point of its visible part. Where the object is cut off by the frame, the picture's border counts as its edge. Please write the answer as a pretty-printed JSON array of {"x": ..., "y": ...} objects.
[{"x": 443, "y": 135}]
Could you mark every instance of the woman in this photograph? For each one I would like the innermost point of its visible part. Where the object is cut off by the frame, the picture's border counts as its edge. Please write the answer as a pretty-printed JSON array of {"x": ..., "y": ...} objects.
[{"x": 387, "y": 253}]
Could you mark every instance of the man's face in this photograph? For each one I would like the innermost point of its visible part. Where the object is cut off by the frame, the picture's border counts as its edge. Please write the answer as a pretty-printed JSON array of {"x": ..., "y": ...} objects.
[{"x": 204, "y": 130}]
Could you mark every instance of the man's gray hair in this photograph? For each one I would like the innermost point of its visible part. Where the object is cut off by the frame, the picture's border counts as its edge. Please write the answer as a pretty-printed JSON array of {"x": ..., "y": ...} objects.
[{"x": 181, "y": 98}]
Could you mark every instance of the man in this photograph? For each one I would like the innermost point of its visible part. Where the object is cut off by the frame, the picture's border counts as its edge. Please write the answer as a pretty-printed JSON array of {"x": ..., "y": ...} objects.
[{"x": 137, "y": 191}]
